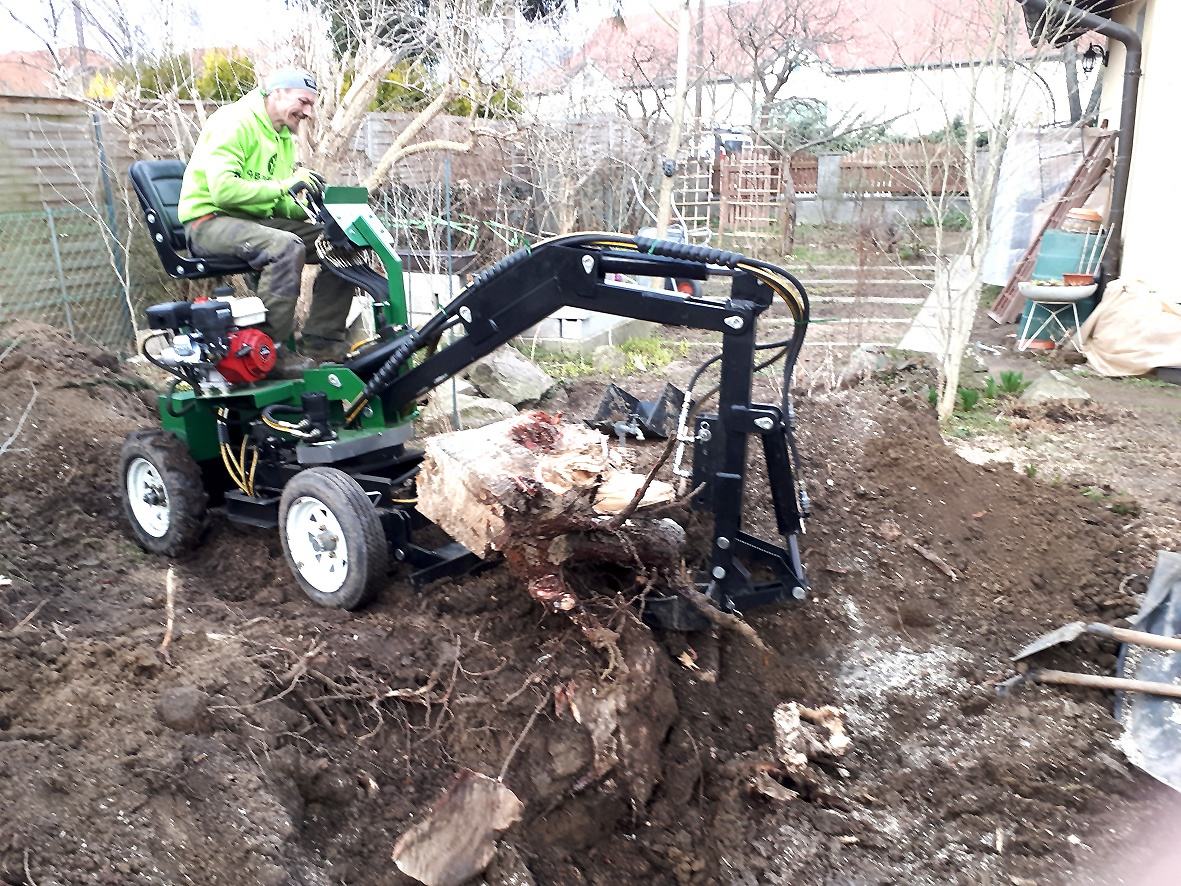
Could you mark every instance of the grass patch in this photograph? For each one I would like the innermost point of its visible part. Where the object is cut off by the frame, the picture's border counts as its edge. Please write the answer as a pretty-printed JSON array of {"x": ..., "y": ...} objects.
[
  {"x": 966, "y": 425},
  {"x": 646, "y": 354},
  {"x": 564, "y": 367},
  {"x": 1145, "y": 381}
]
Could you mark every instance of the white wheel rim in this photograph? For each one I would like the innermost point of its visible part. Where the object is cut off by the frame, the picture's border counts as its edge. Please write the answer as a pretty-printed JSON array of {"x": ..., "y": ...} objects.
[
  {"x": 148, "y": 497},
  {"x": 316, "y": 544}
]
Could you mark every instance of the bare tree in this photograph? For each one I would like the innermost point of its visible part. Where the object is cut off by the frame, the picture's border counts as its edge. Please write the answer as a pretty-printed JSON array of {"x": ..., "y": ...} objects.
[
  {"x": 982, "y": 100},
  {"x": 775, "y": 39}
]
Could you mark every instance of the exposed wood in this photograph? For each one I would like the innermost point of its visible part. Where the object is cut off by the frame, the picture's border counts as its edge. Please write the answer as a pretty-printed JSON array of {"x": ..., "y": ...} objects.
[
  {"x": 456, "y": 840},
  {"x": 531, "y": 488}
]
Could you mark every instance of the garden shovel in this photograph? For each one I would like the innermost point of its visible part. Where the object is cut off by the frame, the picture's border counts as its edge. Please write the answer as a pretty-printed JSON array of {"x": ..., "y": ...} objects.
[{"x": 1076, "y": 629}]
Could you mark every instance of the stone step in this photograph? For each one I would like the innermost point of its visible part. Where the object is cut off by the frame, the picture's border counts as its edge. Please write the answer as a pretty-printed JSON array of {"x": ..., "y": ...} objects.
[{"x": 864, "y": 299}]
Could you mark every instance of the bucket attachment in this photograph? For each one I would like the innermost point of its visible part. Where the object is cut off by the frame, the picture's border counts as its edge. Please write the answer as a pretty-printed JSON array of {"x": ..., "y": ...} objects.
[{"x": 621, "y": 414}]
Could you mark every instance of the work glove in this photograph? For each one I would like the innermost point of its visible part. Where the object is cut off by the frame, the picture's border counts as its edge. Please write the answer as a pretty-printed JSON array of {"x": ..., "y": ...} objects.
[{"x": 302, "y": 175}]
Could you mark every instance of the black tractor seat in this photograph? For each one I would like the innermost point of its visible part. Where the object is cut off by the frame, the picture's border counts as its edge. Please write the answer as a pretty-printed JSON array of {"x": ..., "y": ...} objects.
[{"x": 157, "y": 184}]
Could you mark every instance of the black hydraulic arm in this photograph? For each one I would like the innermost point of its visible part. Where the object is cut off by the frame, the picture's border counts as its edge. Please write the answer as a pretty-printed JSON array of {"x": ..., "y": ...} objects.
[
  {"x": 524, "y": 290},
  {"x": 497, "y": 311}
]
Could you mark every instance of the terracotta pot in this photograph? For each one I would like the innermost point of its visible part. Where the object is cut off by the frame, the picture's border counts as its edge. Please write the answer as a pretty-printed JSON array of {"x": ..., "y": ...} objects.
[
  {"x": 1078, "y": 279},
  {"x": 1037, "y": 344}
]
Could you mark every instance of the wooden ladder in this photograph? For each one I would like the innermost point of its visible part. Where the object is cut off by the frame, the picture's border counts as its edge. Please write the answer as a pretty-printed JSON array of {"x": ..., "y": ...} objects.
[{"x": 1096, "y": 160}]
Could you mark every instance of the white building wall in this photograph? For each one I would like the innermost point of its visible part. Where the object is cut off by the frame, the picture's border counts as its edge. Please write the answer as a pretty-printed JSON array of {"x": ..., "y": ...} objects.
[
  {"x": 916, "y": 101},
  {"x": 1149, "y": 223}
]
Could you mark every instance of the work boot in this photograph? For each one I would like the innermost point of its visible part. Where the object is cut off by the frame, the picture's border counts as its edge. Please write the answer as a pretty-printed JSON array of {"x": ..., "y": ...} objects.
[
  {"x": 290, "y": 365},
  {"x": 321, "y": 350}
]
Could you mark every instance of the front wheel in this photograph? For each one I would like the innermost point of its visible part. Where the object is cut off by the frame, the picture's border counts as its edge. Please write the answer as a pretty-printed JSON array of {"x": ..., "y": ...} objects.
[
  {"x": 332, "y": 538},
  {"x": 164, "y": 497}
]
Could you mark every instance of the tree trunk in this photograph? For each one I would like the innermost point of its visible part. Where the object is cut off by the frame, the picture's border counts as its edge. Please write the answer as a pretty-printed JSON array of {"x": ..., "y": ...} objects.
[
  {"x": 541, "y": 492},
  {"x": 787, "y": 242},
  {"x": 1070, "y": 63},
  {"x": 667, "y": 179}
]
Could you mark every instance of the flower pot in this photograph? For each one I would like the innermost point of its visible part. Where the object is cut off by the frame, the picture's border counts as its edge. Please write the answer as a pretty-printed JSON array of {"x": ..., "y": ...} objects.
[{"x": 1078, "y": 279}]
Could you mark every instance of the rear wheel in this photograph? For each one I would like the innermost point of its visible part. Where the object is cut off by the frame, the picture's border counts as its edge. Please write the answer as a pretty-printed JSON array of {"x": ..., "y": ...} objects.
[
  {"x": 332, "y": 538},
  {"x": 164, "y": 497}
]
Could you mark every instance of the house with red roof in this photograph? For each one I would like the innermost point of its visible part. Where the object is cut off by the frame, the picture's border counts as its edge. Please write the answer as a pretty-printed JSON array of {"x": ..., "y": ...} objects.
[
  {"x": 41, "y": 72},
  {"x": 912, "y": 62}
]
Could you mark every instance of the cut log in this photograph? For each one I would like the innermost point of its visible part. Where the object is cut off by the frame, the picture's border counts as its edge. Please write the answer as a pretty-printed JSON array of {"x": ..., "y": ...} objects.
[
  {"x": 532, "y": 477},
  {"x": 540, "y": 491}
]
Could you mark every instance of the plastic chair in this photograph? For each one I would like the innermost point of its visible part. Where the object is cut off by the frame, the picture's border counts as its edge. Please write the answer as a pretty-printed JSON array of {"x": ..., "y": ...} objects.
[{"x": 1056, "y": 307}]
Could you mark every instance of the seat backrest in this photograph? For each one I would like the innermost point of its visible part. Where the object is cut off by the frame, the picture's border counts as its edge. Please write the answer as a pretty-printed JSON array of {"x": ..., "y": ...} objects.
[{"x": 157, "y": 183}]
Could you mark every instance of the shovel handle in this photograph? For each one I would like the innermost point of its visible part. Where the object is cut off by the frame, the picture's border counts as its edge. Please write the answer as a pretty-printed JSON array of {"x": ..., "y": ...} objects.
[
  {"x": 1136, "y": 638},
  {"x": 1067, "y": 678}
]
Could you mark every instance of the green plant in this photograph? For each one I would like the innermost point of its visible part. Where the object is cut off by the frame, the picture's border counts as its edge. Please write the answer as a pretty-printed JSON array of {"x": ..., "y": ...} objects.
[
  {"x": 968, "y": 398},
  {"x": 1031, "y": 471},
  {"x": 932, "y": 396},
  {"x": 1125, "y": 507},
  {"x": 566, "y": 366},
  {"x": 645, "y": 354},
  {"x": 991, "y": 390},
  {"x": 952, "y": 220},
  {"x": 910, "y": 251},
  {"x": 1013, "y": 382},
  {"x": 225, "y": 77}
]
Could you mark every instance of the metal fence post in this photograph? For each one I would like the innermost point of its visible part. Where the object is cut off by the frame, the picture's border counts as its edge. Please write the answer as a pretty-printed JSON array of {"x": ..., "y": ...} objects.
[
  {"x": 61, "y": 274},
  {"x": 104, "y": 168}
]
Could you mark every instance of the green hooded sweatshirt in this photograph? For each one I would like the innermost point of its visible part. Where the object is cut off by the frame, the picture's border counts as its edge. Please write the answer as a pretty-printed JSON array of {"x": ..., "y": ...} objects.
[{"x": 238, "y": 164}]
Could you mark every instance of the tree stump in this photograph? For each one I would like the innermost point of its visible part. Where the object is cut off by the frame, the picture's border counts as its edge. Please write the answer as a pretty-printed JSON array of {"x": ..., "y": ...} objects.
[{"x": 540, "y": 491}]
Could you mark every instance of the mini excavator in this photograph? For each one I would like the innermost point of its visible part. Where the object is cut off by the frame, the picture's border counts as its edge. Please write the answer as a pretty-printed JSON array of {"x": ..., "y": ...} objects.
[{"x": 328, "y": 459}]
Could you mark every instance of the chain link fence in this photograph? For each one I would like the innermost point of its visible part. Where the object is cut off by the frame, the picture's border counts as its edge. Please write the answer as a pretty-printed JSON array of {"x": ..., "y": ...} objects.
[
  {"x": 64, "y": 268},
  {"x": 59, "y": 269}
]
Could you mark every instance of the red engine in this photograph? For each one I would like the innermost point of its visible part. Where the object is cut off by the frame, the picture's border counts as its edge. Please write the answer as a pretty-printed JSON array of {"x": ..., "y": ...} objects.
[{"x": 250, "y": 356}]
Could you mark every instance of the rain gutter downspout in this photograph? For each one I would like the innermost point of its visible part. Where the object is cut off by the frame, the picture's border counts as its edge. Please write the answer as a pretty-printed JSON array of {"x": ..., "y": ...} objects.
[{"x": 1073, "y": 16}]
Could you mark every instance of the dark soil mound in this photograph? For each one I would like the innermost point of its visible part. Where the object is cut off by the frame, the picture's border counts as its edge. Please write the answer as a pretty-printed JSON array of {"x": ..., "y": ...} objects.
[{"x": 282, "y": 743}]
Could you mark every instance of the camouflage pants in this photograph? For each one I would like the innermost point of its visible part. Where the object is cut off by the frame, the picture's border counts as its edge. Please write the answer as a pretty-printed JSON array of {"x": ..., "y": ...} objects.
[{"x": 279, "y": 248}]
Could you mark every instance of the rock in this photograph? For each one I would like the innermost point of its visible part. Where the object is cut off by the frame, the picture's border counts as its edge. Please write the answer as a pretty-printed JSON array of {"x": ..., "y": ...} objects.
[
  {"x": 506, "y": 375},
  {"x": 456, "y": 840},
  {"x": 863, "y": 363},
  {"x": 1054, "y": 386},
  {"x": 609, "y": 358},
  {"x": 973, "y": 362},
  {"x": 508, "y": 868},
  {"x": 474, "y": 412},
  {"x": 183, "y": 708}
]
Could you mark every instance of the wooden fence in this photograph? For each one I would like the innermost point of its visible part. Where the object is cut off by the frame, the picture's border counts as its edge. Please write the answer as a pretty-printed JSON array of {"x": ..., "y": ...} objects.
[{"x": 904, "y": 170}]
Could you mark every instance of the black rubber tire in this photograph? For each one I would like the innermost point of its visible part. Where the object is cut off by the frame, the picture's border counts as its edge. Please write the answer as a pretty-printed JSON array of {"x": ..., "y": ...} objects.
[
  {"x": 184, "y": 488},
  {"x": 368, "y": 550}
]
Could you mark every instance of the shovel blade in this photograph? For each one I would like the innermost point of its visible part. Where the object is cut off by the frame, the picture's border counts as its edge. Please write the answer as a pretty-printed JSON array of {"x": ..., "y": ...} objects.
[{"x": 1064, "y": 634}]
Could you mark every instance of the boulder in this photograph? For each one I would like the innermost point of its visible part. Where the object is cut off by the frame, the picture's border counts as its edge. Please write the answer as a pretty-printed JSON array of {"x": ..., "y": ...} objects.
[
  {"x": 506, "y": 375},
  {"x": 474, "y": 412},
  {"x": 183, "y": 708},
  {"x": 1054, "y": 387},
  {"x": 865, "y": 362}
]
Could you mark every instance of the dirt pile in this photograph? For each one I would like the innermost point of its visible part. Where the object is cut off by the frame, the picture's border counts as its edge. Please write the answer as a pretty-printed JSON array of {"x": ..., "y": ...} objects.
[{"x": 290, "y": 744}]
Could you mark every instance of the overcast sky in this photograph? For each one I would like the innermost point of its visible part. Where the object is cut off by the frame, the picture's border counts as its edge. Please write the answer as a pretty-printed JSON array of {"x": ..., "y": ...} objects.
[{"x": 187, "y": 24}]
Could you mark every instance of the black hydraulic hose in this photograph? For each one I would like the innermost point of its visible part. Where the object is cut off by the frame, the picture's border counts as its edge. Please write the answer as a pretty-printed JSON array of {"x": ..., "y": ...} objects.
[
  {"x": 689, "y": 252},
  {"x": 269, "y": 411},
  {"x": 168, "y": 392}
]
